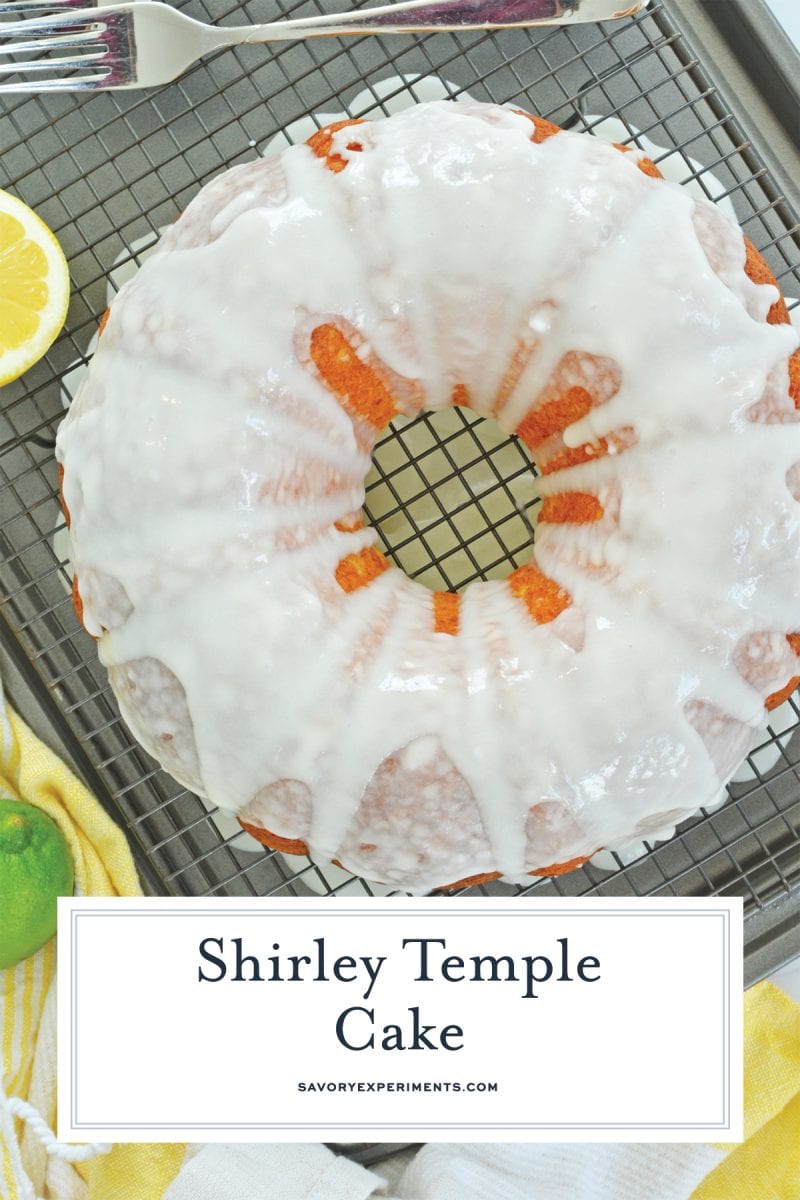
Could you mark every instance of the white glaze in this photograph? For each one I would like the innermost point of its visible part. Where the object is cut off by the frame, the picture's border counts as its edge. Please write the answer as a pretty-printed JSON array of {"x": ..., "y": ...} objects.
[{"x": 439, "y": 243}]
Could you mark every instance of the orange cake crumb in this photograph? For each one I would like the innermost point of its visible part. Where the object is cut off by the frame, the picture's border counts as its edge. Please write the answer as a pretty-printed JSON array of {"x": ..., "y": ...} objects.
[
  {"x": 349, "y": 525},
  {"x": 77, "y": 604},
  {"x": 562, "y": 868},
  {"x": 471, "y": 881},
  {"x": 573, "y": 456},
  {"x": 355, "y": 384},
  {"x": 446, "y": 612},
  {"x": 76, "y": 599},
  {"x": 777, "y": 698},
  {"x": 553, "y": 416},
  {"x": 542, "y": 596},
  {"x": 490, "y": 876},
  {"x": 576, "y": 508},
  {"x": 321, "y": 143},
  {"x": 285, "y": 845},
  {"x": 648, "y": 167},
  {"x": 61, "y": 499},
  {"x": 645, "y": 165},
  {"x": 542, "y": 129},
  {"x": 757, "y": 270},
  {"x": 357, "y": 570},
  {"x": 794, "y": 378},
  {"x": 785, "y": 692}
]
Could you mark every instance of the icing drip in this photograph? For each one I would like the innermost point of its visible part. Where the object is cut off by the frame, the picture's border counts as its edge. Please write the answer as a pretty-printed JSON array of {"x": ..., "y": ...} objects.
[{"x": 212, "y": 475}]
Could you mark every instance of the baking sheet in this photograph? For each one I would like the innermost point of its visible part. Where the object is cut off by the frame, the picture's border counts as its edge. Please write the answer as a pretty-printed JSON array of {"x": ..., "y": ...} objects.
[{"x": 107, "y": 171}]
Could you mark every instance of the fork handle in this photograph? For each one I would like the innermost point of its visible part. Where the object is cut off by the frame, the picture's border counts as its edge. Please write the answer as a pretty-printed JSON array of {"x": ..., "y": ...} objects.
[{"x": 418, "y": 16}]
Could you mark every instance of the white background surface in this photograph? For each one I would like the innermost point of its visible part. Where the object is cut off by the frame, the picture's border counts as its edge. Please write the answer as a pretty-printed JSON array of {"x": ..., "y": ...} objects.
[
  {"x": 788, "y": 13},
  {"x": 788, "y": 978}
]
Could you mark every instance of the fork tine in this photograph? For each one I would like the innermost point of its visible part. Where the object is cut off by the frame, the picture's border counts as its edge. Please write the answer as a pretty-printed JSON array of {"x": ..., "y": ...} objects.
[
  {"x": 76, "y": 83},
  {"x": 65, "y": 41},
  {"x": 50, "y": 64},
  {"x": 53, "y": 22},
  {"x": 50, "y": 24},
  {"x": 97, "y": 43},
  {"x": 25, "y": 7}
]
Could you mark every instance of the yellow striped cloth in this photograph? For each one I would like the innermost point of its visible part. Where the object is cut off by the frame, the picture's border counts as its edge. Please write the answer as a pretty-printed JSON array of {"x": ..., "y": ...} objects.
[
  {"x": 766, "y": 1165},
  {"x": 103, "y": 867}
]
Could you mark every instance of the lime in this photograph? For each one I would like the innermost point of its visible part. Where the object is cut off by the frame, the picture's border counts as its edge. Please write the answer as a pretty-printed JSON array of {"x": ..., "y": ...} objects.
[{"x": 35, "y": 868}]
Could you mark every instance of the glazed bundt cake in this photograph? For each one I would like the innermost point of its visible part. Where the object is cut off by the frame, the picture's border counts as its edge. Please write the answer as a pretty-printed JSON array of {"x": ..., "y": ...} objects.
[{"x": 262, "y": 647}]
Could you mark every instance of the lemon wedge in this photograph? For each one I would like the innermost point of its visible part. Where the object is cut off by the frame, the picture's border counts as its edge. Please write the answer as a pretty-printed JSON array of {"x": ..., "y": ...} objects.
[{"x": 34, "y": 288}]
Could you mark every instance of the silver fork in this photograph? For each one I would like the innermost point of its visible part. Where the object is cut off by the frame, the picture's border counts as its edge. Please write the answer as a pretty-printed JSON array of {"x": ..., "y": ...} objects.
[{"x": 145, "y": 44}]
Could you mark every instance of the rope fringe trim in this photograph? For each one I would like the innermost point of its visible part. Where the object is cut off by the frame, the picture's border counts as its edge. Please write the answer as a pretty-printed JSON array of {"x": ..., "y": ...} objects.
[{"x": 56, "y": 1149}]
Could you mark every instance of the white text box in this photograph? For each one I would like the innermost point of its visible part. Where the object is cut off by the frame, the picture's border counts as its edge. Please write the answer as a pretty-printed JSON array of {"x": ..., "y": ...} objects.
[{"x": 382, "y": 1020}]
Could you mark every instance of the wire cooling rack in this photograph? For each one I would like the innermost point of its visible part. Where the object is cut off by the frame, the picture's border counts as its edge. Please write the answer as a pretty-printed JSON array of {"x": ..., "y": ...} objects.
[{"x": 453, "y": 499}]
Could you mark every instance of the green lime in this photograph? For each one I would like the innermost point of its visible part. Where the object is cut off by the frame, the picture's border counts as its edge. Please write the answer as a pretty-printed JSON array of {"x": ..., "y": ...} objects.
[{"x": 35, "y": 868}]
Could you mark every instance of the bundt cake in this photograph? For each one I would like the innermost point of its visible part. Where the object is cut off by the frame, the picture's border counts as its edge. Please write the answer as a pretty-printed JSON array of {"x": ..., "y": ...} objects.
[{"x": 213, "y": 465}]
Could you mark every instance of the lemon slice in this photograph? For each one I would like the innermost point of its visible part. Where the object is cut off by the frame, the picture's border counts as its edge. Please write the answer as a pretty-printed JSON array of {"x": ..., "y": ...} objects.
[{"x": 34, "y": 288}]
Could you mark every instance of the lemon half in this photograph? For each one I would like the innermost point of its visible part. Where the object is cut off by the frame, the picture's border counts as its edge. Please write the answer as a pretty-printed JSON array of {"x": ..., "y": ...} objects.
[{"x": 34, "y": 288}]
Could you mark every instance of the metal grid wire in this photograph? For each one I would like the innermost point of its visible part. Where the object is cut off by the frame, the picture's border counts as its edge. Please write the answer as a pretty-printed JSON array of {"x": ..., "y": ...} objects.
[{"x": 452, "y": 498}]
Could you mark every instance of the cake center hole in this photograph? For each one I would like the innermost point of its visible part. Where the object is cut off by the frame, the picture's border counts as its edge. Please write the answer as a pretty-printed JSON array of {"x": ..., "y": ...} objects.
[{"x": 452, "y": 498}]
